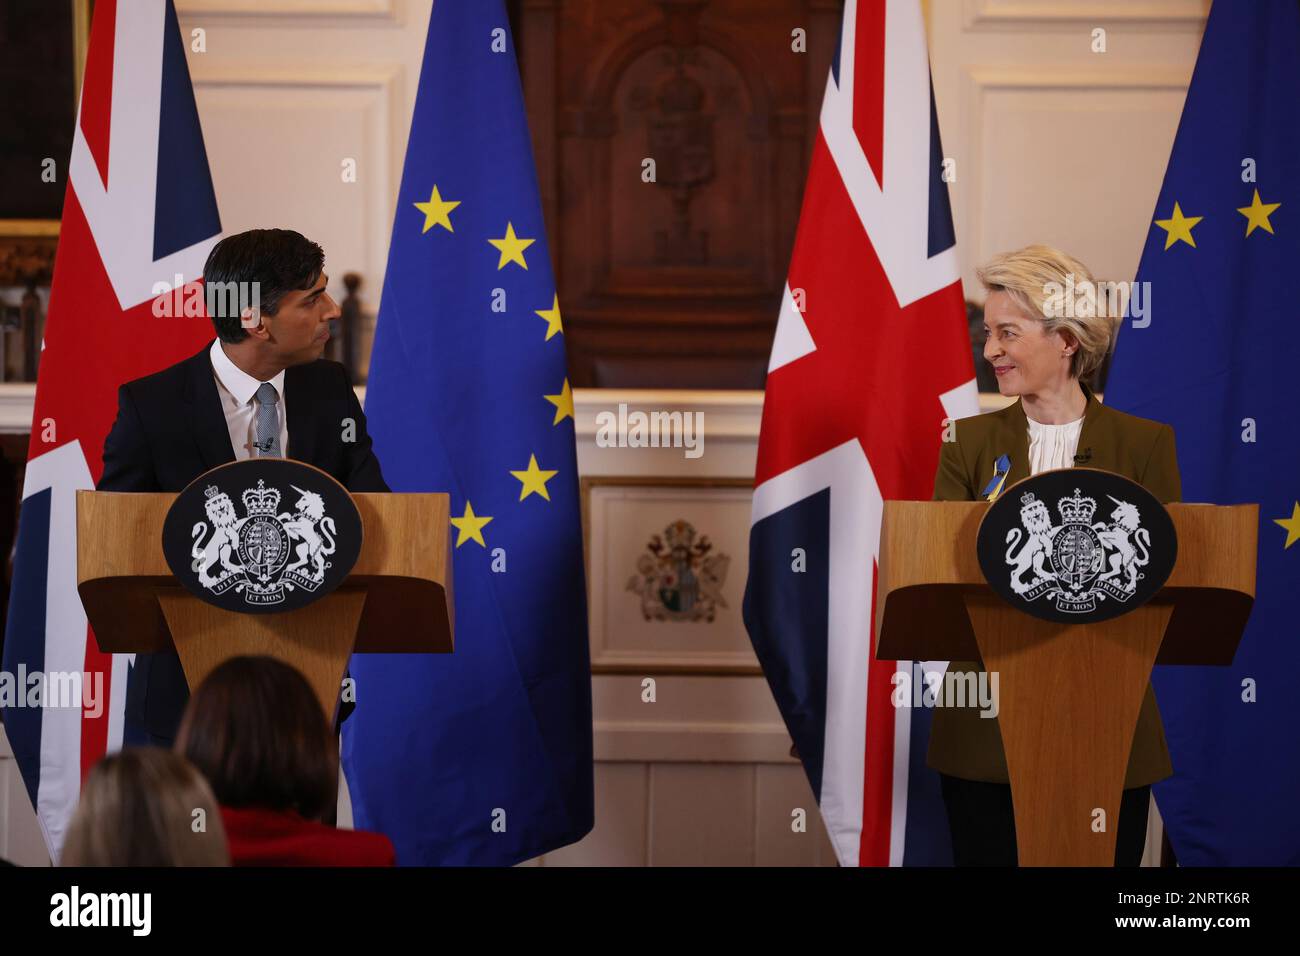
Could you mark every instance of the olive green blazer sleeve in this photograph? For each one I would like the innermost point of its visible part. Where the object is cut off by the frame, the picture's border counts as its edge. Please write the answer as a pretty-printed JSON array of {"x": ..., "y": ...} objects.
[
  {"x": 951, "y": 481},
  {"x": 1160, "y": 476}
]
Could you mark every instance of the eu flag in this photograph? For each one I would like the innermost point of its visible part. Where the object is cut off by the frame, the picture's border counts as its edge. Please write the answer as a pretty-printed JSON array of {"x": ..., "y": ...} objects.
[
  {"x": 1216, "y": 355},
  {"x": 482, "y": 756}
]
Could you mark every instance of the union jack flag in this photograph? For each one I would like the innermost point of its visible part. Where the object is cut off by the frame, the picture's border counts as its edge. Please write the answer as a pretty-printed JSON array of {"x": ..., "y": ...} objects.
[
  {"x": 871, "y": 354},
  {"x": 139, "y": 218}
]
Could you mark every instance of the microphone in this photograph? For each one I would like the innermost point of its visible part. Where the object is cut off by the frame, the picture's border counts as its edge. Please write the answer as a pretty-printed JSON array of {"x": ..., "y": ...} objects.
[
  {"x": 1085, "y": 455},
  {"x": 262, "y": 446}
]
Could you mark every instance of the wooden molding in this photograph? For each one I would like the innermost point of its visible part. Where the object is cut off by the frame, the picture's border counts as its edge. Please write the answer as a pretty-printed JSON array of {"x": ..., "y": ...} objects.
[
  {"x": 1056, "y": 14},
  {"x": 310, "y": 10}
]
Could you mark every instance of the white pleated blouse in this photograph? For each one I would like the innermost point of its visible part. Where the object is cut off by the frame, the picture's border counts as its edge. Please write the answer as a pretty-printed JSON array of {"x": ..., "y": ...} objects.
[{"x": 1053, "y": 446}]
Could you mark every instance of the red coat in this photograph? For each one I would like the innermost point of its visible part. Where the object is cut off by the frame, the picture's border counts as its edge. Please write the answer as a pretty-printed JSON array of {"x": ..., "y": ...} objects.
[{"x": 260, "y": 837}]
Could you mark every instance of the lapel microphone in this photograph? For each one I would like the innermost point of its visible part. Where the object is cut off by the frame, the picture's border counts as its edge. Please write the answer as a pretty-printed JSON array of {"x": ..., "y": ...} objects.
[{"x": 1085, "y": 455}]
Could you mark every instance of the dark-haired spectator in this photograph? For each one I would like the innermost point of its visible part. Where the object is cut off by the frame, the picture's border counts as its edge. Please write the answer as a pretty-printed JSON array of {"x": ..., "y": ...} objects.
[
  {"x": 256, "y": 730},
  {"x": 145, "y": 807}
]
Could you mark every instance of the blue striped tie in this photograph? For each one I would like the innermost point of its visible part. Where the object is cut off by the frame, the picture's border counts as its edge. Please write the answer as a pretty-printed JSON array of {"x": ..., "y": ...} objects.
[{"x": 268, "y": 422}]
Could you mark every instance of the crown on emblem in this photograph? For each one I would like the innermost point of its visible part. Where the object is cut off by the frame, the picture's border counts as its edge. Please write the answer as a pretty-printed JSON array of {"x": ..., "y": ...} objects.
[
  {"x": 679, "y": 534},
  {"x": 1076, "y": 509},
  {"x": 1027, "y": 498},
  {"x": 211, "y": 491},
  {"x": 261, "y": 500}
]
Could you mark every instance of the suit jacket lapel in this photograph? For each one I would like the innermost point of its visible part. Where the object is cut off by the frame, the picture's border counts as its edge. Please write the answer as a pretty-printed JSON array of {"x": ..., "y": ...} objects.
[
  {"x": 1090, "y": 445},
  {"x": 1016, "y": 439},
  {"x": 299, "y": 401},
  {"x": 210, "y": 431}
]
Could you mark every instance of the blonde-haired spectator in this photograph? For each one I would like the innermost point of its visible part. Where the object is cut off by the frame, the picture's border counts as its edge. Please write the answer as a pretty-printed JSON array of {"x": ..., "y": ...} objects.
[{"x": 146, "y": 807}]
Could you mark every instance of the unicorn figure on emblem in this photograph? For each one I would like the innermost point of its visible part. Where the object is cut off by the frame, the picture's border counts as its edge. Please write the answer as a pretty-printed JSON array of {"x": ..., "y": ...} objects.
[
  {"x": 306, "y": 526},
  {"x": 1124, "y": 527}
]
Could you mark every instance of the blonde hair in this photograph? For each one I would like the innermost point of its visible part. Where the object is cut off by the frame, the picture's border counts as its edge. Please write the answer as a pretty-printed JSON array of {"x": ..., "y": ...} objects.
[
  {"x": 138, "y": 808},
  {"x": 1034, "y": 278}
]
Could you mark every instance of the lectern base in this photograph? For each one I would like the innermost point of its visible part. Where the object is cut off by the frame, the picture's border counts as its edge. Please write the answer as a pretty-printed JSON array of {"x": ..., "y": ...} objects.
[
  {"x": 316, "y": 640},
  {"x": 1072, "y": 686}
]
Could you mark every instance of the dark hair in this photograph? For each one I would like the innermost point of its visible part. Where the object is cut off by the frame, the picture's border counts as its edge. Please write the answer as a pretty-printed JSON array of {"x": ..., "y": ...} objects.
[
  {"x": 256, "y": 730},
  {"x": 278, "y": 261}
]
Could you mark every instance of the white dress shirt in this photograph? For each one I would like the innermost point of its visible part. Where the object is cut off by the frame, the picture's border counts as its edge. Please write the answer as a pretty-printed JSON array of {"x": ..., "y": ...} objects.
[
  {"x": 1053, "y": 446},
  {"x": 237, "y": 390}
]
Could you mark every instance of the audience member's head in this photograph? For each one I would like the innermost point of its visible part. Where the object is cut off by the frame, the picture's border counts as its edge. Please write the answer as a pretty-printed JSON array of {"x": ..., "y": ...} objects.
[
  {"x": 256, "y": 730},
  {"x": 145, "y": 807}
]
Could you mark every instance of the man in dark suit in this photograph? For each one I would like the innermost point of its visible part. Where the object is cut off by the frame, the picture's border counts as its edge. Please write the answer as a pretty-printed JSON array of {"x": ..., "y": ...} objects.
[{"x": 260, "y": 388}]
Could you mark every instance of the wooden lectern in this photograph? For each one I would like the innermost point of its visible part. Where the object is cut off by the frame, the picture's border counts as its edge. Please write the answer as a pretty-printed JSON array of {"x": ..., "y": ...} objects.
[
  {"x": 1069, "y": 693},
  {"x": 396, "y": 600}
]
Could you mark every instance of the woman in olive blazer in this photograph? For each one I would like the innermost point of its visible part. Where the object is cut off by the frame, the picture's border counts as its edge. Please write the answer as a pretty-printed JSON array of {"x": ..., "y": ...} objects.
[{"x": 1043, "y": 357}]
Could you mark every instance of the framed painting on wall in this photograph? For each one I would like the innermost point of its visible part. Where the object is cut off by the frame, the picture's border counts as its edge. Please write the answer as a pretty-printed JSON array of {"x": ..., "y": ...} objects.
[
  {"x": 42, "y": 57},
  {"x": 667, "y": 560}
]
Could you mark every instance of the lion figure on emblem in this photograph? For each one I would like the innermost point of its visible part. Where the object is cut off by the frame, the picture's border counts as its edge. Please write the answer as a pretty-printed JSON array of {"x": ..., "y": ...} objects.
[
  {"x": 1036, "y": 549},
  {"x": 224, "y": 541}
]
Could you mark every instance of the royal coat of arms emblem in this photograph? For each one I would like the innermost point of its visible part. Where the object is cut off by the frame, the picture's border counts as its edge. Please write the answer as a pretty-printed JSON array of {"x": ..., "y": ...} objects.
[
  {"x": 254, "y": 553},
  {"x": 1077, "y": 561},
  {"x": 1078, "y": 565},
  {"x": 273, "y": 557}
]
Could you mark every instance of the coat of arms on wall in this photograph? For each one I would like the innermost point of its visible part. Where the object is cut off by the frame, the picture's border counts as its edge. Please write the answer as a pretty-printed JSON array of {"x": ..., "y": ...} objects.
[{"x": 679, "y": 578}]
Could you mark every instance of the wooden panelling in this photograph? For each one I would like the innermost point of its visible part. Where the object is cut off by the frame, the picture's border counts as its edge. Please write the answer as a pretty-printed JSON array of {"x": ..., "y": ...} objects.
[
  {"x": 1058, "y": 14},
  {"x": 674, "y": 282},
  {"x": 781, "y": 791},
  {"x": 702, "y": 815},
  {"x": 1058, "y": 134},
  {"x": 622, "y": 820},
  {"x": 291, "y": 9},
  {"x": 1030, "y": 161},
  {"x": 307, "y": 121},
  {"x": 21, "y": 841}
]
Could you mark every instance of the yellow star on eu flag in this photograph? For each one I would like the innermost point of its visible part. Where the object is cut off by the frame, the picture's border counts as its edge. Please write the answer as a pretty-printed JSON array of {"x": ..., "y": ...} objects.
[
  {"x": 1292, "y": 525},
  {"x": 435, "y": 211},
  {"x": 552, "y": 317},
  {"x": 1179, "y": 227},
  {"x": 1257, "y": 214},
  {"x": 470, "y": 526},
  {"x": 533, "y": 479},
  {"x": 563, "y": 403},
  {"x": 512, "y": 247}
]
